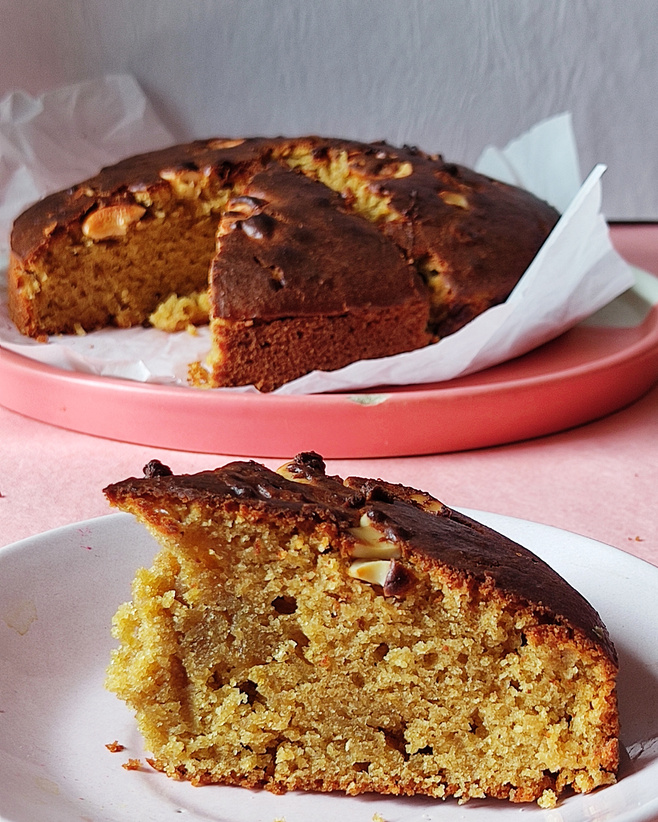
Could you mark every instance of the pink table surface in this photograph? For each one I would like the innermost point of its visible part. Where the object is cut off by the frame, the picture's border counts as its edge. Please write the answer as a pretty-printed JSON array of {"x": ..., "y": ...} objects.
[{"x": 599, "y": 480}]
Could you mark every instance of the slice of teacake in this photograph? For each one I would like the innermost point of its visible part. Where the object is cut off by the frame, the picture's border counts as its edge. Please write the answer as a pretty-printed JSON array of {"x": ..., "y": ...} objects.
[{"x": 298, "y": 631}]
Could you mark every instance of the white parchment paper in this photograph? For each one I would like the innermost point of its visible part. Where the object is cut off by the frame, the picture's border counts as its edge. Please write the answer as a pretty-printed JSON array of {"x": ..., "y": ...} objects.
[
  {"x": 68, "y": 134},
  {"x": 65, "y": 135}
]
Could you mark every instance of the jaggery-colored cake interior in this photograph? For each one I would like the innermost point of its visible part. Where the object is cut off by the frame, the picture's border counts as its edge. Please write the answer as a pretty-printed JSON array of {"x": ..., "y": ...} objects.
[
  {"x": 251, "y": 656},
  {"x": 85, "y": 283}
]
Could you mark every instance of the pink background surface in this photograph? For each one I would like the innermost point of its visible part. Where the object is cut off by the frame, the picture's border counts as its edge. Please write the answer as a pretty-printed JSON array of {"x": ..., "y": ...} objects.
[{"x": 599, "y": 480}]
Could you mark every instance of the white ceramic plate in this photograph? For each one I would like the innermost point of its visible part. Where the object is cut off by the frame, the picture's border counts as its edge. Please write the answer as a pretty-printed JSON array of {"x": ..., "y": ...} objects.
[{"x": 58, "y": 592}]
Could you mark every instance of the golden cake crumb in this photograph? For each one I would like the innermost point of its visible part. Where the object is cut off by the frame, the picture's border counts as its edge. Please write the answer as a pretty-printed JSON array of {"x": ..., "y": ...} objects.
[
  {"x": 548, "y": 799},
  {"x": 300, "y": 632},
  {"x": 181, "y": 313}
]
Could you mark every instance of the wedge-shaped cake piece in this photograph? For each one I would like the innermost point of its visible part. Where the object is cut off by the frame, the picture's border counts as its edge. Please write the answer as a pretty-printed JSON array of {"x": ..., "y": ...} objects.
[
  {"x": 301, "y": 283},
  {"x": 301, "y": 632}
]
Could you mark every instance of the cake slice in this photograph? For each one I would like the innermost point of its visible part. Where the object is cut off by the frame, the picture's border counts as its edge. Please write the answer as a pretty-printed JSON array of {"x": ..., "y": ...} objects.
[
  {"x": 301, "y": 283},
  {"x": 301, "y": 632}
]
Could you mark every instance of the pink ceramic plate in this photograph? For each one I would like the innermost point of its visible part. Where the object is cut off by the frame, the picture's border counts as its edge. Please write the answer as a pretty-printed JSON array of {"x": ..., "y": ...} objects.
[{"x": 592, "y": 370}]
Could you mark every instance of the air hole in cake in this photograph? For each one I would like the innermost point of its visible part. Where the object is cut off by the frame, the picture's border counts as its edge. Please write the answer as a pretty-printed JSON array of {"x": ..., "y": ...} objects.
[
  {"x": 300, "y": 639},
  {"x": 428, "y": 750},
  {"x": 358, "y": 679},
  {"x": 251, "y": 690},
  {"x": 271, "y": 752},
  {"x": 462, "y": 659},
  {"x": 395, "y": 739},
  {"x": 430, "y": 660},
  {"x": 284, "y": 605},
  {"x": 361, "y": 766},
  {"x": 215, "y": 681},
  {"x": 477, "y": 726},
  {"x": 380, "y": 652},
  {"x": 301, "y": 642}
]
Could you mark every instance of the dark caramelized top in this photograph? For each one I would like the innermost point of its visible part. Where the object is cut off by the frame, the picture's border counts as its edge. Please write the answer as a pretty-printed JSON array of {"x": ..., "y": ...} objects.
[
  {"x": 478, "y": 234},
  {"x": 118, "y": 183},
  {"x": 441, "y": 536},
  {"x": 288, "y": 247}
]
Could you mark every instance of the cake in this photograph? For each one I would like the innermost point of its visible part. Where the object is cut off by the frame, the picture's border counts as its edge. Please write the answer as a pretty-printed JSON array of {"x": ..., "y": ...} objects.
[
  {"x": 303, "y": 253},
  {"x": 297, "y": 631}
]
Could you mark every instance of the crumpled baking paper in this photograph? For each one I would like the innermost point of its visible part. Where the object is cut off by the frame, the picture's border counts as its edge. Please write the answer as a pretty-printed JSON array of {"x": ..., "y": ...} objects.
[
  {"x": 50, "y": 142},
  {"x": 66, "y": 135}
]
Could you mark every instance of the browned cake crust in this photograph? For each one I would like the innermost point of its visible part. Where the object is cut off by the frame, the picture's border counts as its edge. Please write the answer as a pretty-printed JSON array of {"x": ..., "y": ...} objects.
[
  {"x": 120, "y": 182},
  {"x": 471, "y": 550},
  {"x": 408, "y": 246},
  {"x": 439, "y": 554},
  {"x": 471, "y": 237},
  {"x": 300, "y": 275}
]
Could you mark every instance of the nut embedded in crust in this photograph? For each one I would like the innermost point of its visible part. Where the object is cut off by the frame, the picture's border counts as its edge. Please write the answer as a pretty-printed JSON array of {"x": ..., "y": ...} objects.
[
  {"x": 239, "y": 210},
  {"x": 374, "y": 571},
  {"x": 304, "y": 468},
  {"x": 454, "y": 198},
  {"x": 112, "y": 221},
  {"x": 184, "y": 181},
  {"x": 371, "y": 543},
  {"x": 396, "y": 169},
  {"x": 288, "y": 473},
  {"x": 427, "y": 502},
  {"x": 228, "y": 143}
]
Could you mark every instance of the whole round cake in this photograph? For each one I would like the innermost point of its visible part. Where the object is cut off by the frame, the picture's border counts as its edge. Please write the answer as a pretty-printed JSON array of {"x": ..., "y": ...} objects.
[{"x": 302, "y": 253}]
